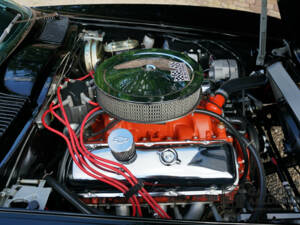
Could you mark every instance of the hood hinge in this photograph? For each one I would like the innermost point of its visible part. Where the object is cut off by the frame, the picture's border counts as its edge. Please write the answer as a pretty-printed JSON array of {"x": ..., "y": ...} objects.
[{"x": 260, "y": 60}]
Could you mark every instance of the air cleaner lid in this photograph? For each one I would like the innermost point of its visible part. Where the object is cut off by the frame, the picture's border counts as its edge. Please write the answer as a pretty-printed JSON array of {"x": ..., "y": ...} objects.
[{"x": 151, "y": 75}]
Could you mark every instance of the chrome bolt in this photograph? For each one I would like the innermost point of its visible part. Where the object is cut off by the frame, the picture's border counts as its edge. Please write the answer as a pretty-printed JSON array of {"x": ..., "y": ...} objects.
[{"x": 221, "y": 125}]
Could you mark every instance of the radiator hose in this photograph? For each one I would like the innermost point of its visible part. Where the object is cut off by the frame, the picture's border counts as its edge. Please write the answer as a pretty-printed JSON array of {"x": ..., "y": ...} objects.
[{"x": 240, "y": 84}]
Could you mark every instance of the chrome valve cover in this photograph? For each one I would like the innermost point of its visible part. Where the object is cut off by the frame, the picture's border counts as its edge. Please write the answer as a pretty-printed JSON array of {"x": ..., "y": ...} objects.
[{"x": 202, "y": 167}]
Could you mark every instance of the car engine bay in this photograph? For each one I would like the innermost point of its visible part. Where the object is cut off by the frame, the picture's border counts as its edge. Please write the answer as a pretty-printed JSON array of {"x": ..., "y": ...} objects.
[{"x": 157, "y": 125}]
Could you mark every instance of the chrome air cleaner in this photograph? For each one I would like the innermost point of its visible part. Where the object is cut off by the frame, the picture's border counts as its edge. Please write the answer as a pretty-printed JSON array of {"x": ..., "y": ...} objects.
[{"x": 149, "y": 86}]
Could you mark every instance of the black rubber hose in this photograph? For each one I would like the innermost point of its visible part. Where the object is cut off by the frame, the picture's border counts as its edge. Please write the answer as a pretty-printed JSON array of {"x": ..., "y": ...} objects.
[
  {"x": 62, "y": 167},
  {"x": 235, "y": 120},
  {"x": 253, "y": 135},
  {"x": 91, "y": 118},
  {"x": 262, "y": 194},
  {"x": 238, "y": 121},
  {"x": 247, "y": 127},
  {"x": 107, "y": 128},
  {"x": 240, "y": 84},
  {"x": 244, "y": 142},
  {"x": 234, "y": 133},
  {"x": 70, "y": 197}
]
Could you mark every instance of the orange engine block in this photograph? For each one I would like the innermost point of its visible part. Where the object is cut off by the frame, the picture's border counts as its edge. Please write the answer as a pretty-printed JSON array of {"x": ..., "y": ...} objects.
[{"x": 193, "y": 127}]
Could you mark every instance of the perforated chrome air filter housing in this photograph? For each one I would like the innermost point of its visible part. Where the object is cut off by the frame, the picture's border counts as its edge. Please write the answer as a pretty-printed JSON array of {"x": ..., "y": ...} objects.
[{"x": 149, "y": 86}]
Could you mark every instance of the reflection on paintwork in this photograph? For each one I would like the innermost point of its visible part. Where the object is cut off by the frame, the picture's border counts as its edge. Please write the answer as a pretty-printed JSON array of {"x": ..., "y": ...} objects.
[{"x": 23, "y": 69}]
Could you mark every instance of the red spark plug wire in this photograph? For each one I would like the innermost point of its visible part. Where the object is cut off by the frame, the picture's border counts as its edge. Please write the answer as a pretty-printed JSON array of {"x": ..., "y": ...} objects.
[
  {"x": 74, "y": 139},
  {"x": 143, "y": 191},
  {"x": 79, "y": 164},
  {"x": 96, "y": 163},
  {"x": 90, "y": 74},
  {"x": 151, "y": 202},
  {"x": 95, "y": 160}
]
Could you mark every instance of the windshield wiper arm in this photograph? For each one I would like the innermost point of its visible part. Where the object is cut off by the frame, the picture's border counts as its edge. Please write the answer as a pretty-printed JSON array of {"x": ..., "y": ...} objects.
[{"x": 9, "y": 27}]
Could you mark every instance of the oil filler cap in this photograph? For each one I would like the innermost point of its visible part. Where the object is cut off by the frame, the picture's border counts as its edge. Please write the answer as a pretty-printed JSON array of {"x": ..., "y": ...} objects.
[
  {"x": 169, "y": 157},
  {"x": 121, "y": 144}
]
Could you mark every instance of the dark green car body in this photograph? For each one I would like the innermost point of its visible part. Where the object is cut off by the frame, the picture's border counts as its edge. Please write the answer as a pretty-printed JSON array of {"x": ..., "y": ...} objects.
[{"x": 8, "y": 10}]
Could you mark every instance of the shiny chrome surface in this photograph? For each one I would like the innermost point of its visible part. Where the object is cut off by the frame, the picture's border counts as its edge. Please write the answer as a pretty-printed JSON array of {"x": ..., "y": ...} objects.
[
  {"x": 222, "y": 69},
  {"x": 93, "y": 49},
  {"x": 196, "y": 211},
  {"x": 151, "y": 144},
  {"x": 148, "y": 112},
  {"x": 121, "y": 45},
  {"x": 170, "y": 193},
  {"x": 195, "y": 164},
  {"x": 121, "y": 144},
  {"x": 149, "y": 85},
  {"x": 169, "y": 157}
]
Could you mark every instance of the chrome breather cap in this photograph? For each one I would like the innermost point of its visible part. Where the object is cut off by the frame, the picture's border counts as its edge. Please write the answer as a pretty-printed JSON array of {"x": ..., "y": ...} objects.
[{"x": 121, "y": 144}]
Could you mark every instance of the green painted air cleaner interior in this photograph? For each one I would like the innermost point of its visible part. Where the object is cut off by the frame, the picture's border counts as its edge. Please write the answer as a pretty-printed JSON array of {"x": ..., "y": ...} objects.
[{"x": 149, "y": 76}]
